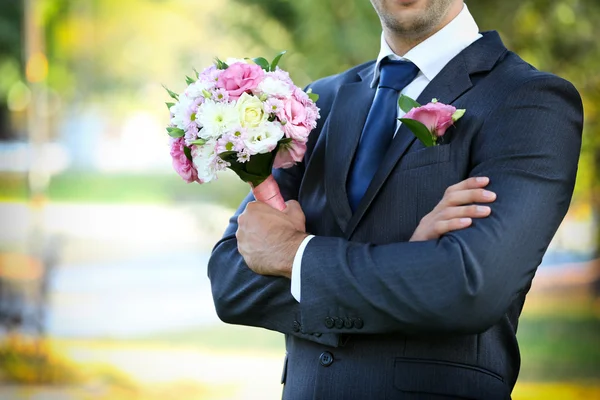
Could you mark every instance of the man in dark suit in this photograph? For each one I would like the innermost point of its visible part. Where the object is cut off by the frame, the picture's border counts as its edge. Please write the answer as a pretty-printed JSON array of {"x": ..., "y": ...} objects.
[{"x": 403, "y": 288}]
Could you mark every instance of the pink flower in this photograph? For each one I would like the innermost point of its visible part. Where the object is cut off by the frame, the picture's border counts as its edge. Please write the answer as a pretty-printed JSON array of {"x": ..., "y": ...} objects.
[
  {"x": 436, "y": 116},
  {"x": 240, "y": 78},
  {"x": 295, "y": 115},
  {"x": 296, "y": 132},
  {"x": 181, "y": 164},
  {"x": 290, "y": 154}
]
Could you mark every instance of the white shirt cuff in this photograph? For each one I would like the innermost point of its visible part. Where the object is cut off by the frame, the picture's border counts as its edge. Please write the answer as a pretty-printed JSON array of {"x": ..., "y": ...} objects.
[{"x": 297, "y": 266}]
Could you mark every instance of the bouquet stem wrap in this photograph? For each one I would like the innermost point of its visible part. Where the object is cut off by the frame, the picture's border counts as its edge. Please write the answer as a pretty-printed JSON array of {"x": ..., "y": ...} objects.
[{"x": 268, "y": 192}]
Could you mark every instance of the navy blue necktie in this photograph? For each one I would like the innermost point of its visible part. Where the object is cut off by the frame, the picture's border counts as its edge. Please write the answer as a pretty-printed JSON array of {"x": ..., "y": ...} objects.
[{"x": 379, "y": 128}]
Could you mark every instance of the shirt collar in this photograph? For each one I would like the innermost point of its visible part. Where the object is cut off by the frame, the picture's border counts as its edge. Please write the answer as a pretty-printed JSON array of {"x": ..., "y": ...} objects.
[{"x": 432, "y": 55}]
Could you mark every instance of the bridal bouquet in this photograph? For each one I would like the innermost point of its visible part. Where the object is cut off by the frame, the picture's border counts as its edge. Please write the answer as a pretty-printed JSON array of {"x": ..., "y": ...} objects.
[{"x": 243, "y": 114}]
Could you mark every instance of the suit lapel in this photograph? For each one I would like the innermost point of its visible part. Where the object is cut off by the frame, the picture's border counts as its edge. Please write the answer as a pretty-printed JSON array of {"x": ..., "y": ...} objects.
[
  {"x": 447, "y": 86},
  {"x": 346, "y": 120}
]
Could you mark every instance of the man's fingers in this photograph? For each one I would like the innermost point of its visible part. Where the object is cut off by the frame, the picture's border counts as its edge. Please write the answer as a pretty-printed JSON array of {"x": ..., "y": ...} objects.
[
  {"x": 472, "y": 211},
  {"x": 292, "y": 206},
  {"x": 470, "y": 183},
  {"x": 443, "y": 227},
  {"x": 467, "y": 196}
]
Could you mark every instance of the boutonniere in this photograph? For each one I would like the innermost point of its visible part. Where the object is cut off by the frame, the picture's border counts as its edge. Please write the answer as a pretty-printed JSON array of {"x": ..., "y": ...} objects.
[{"x": 429, "y": 122}]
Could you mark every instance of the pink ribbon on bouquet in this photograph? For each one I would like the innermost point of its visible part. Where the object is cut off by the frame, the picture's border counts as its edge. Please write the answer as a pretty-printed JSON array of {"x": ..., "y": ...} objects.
[{"x": 268, "y": 192}]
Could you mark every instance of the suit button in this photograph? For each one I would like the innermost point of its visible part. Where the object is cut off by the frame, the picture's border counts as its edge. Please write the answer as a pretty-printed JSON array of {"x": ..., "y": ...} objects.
[
  {"x": 326, "y": 359},
  {"x": 296, "y": 326},
  {"x": 329, "y": 323},
  {"x": 348, "y": 323},
  {"x": 358, "y": 323},
  {"x": 339, "y": 323}
]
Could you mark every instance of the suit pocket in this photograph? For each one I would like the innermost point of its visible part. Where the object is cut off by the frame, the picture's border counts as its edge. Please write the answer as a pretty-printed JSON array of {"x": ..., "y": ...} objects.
[
  {"x": 449, "y": 379},
  {"x": 426, "y": 156}
]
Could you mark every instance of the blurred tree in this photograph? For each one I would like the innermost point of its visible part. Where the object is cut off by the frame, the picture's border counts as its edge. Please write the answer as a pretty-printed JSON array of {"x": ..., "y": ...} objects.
[
  {"x": 556, "y": 36},
  {"x": 11, "y": 60}
]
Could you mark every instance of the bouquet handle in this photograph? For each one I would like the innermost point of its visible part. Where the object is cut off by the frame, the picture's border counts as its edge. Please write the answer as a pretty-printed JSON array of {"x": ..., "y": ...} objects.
[{"x": 268, "y": 192}]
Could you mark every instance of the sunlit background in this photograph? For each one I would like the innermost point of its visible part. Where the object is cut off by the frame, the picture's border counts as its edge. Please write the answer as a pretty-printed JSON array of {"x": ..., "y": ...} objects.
[{"x": 103, "y": 248}]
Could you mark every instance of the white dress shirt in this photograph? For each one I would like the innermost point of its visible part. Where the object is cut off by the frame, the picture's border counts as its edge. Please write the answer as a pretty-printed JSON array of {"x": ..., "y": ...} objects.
[{"x": 430, "y": 56}]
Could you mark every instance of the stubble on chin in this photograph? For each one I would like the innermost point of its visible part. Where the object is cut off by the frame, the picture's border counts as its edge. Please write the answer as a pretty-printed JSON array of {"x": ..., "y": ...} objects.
[{"x": 418, "y": 26}]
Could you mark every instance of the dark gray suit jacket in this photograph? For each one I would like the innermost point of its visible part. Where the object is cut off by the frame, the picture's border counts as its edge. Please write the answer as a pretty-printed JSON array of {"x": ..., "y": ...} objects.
[{"x": 384, "y": 318}]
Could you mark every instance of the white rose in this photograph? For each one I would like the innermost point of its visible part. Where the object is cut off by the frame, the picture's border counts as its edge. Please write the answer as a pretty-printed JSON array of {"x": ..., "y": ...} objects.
[
  {"x": 274, "y": 87},
  {"x": 251, "y": 111},
  {"x": 263, "y": 139}
]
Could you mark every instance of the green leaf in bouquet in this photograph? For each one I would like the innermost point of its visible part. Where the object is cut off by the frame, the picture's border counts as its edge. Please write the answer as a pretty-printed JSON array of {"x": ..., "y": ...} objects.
[
  {"x": 175, "y": 132},
  {"x": 262, "y": 62},
  {"x": 173, "y": 95},
  {"x": 284, "y": 141},
  {"x": 406, "y": 103},
  {"x": 188, "y": 152},
  {"x": 220, "y": 64},
  {"x": 196, "y": 72},
  {"x": 254, "y": 171},
  {"x": 419, "y": 130},
  {"x": 189, "y": 80},
  {"x": 169, "y": 105},
  {"x": 199, "y": 142},
  {"x": 313, "y": 96},
  {"x": 276, "y": 60}
]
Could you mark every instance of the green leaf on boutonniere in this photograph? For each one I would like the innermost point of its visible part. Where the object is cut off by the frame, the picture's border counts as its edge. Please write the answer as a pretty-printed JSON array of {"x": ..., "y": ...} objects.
[
  {"x": 276, "y": 60},
  {"x": 458, "y": 114},
  {"x": 419, "y": 130},
  {"x": 262, "y": 62},
  {"x": 175, "y": 132},
  {"x": 406, "y": 103}
]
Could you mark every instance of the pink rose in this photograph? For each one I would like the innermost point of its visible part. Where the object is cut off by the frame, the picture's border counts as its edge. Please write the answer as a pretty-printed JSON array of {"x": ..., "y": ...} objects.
[
  {"x": 437, "y": 117},
  {"x": 294, "y": 111},
  {"x": 181, "y": 164},
  {"x": 297, "y": 119},
  {"x": 290, "y": 154},
  {"x": 240, "y": 78}
]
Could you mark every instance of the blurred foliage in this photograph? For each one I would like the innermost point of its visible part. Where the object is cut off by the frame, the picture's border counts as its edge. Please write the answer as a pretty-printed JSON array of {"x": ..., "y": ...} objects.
[{"x": 32, "y": 361}]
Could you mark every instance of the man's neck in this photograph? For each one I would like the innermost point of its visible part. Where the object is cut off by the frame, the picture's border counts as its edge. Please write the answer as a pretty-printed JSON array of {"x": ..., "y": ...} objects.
[{"x": 402, "y": 44}]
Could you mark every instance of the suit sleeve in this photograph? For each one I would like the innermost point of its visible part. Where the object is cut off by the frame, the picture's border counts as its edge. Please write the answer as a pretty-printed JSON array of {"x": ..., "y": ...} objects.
[
  {"x": 243, "y": 297},
  {"x": 465, "y": 281}
]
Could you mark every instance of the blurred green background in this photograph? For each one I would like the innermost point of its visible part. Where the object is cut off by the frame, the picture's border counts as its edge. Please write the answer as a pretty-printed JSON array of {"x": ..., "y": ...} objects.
[{"x": 103, "y": 249}]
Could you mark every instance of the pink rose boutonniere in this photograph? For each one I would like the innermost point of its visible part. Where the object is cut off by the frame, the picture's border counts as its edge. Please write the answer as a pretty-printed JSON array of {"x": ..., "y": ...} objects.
[{"x": 429, "y": 122}]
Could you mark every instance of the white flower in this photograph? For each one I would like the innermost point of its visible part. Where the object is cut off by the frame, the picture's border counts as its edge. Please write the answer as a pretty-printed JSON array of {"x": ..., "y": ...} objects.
[
  {"x": 203, "y": 158},
  {"x": 274, "y": 87},
  {"x": 216, "y": 119},
  {"x": 251, "y": 111},
  {"x": 232, "y": 60},
  {"x": 180, "y": 117},
  {"x": 264, "y": 138},
  {"x": 198, "y": 88}
]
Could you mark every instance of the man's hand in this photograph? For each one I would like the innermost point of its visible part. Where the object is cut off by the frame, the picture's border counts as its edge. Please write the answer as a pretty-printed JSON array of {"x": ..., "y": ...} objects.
[
  {"x": 268, "y": 239},
  {"x": 456, "y": 209}
]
